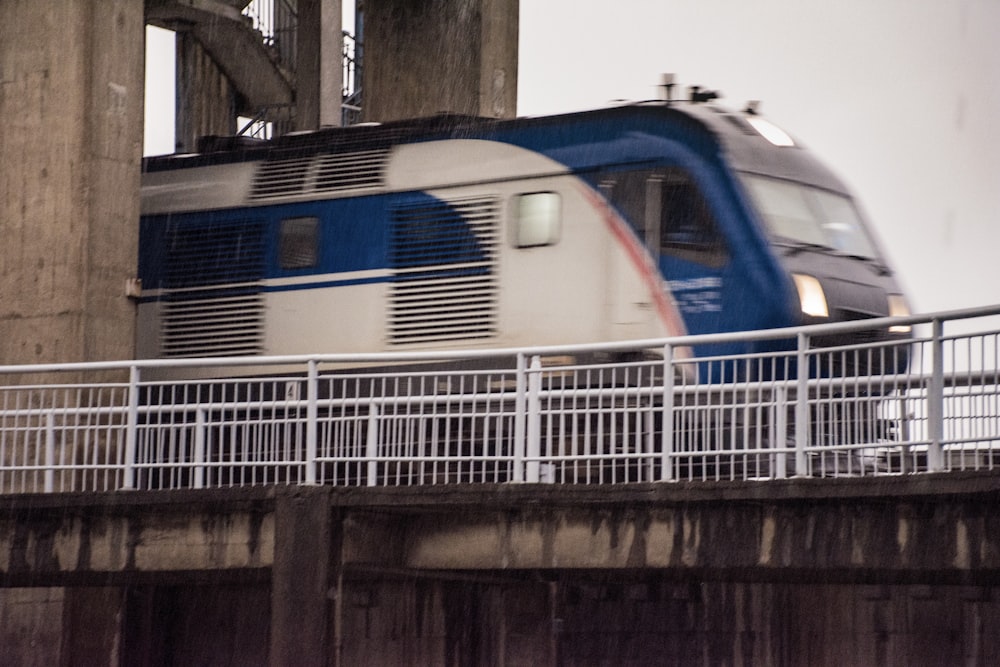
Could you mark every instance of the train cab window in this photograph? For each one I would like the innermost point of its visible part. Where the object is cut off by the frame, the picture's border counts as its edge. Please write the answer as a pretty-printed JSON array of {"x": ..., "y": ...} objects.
[
  {"x": 802, "y": 214},
  {"x": 668, "y": 211},
  {"x": 298, "y": 245},
  {"x": 687, "y": 228},
  {"x": 536, "y": 219}
]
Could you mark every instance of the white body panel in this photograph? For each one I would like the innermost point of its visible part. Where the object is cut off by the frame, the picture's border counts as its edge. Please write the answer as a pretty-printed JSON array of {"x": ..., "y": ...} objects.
[
  {"x": 197, "y": 189},
  {"x": 329, "y": 319}
]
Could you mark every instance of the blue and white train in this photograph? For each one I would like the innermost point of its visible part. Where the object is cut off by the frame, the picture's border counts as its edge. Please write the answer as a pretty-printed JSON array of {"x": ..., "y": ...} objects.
[{"x": 631, "y": 222}]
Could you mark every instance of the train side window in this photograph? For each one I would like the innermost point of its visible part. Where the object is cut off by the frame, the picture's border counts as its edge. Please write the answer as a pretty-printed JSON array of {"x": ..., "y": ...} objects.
[
  {"x": 687, "y": 228},
  {"x": 298, "y": 245},
  {"x": 536, "y": 219}
]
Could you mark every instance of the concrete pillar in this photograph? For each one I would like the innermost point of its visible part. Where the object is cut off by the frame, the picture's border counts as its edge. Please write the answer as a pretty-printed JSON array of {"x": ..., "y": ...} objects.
[
  {"x": 300, "y": 578},
  {"x": 92, "y": 626},
  {"x": 423, "y": 58},
  {"x": 319, "y": 66},
  {"x": 71, "y": 100},
  {"x": 205, "y": 96}
]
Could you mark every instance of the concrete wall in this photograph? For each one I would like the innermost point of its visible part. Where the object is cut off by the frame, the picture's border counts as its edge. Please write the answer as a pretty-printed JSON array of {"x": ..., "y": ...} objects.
[
  {"x": 71, "y": 99},
  {"x": 510, "y": 619},
  {"x": 31, "y": 626},
  {"x": 900, "y": 570},
  {"x": 423, "y": 58},
  {"x": 585, "y": 618}
]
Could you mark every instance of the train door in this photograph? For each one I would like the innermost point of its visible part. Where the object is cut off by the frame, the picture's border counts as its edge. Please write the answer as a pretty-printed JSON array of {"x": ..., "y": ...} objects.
[
  {"x": 668, "y": 210},
  {"x": 553, "y": 254}
]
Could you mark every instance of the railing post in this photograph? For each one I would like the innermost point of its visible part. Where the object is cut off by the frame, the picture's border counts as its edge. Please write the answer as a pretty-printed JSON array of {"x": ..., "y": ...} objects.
[
  {"x": 667, "y": 416},
  {"x": 200, "y": 426},
  {"x": 131, "y": 429},
  {"x": 533, "y": 445},
  {"x": 935, "y": 399},
  {"x": 904, "y": 435},
  {"x": 520, "y": 405},
  {"x": 50, "y": 451},
  {"x": 802, "y": 425},
  {"x": 371, "y": 445},
  {"x": 312, "y": 415},
  {"x": 780, "y": 432}
]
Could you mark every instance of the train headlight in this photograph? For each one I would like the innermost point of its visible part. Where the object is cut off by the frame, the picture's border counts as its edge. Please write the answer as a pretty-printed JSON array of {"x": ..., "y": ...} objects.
[
  {"x": 811, "y": 295},
  {"x": 898, "y": 308}
]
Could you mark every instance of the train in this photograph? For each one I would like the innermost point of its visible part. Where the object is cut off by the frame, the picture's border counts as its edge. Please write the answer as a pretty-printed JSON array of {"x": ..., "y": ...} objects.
[{"x": 636, "y": 221}]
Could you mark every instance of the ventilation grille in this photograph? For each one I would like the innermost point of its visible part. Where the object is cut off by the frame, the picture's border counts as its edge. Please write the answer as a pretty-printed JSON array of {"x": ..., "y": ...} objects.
[
  {"x": 231, "y": 325},
  {"x": 341, "y": 173},
  {"x": 444, "y": 258},
  {"x": 214, "y": 254},
  {"x": 212, "y": 303}
]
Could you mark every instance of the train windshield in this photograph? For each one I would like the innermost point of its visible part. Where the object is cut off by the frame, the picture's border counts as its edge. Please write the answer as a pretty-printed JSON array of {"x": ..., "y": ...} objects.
[{"x": 808, "y": 216}]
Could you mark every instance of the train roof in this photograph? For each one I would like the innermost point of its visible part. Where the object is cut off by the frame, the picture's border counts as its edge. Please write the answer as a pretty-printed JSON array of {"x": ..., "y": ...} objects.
[{"x": 708, "y": 127}]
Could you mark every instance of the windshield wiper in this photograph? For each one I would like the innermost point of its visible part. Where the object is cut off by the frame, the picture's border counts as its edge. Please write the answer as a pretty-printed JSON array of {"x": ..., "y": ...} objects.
[
  {"x": 878, "y": 265},
  {"x": 795, "y": 247}
]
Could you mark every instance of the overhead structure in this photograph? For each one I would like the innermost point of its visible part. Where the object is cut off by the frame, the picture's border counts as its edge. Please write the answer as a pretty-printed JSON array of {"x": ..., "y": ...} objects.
[
  {"x": 234, "y": 58},
  {"x": 255, "y": 61},
  {"x": 454, "y": 56},
  {"x": 289, "y": 64}
]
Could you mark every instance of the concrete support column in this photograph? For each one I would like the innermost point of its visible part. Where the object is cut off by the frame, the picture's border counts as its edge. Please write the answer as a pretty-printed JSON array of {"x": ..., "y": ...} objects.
[
  {"x": 205, "y": 97},
  {"x": 319, "y": 70},
  {"x": 71, "y": 99},
  {"x": 456, "y": 56},
  {"x": 92, "y": 626},
  {"x": 498, "y": 64},
  {"x": 300, "y": 578}
]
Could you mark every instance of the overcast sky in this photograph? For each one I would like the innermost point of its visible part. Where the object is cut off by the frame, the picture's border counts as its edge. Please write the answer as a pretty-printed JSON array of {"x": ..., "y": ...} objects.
[{"x": 900, "y": 97}]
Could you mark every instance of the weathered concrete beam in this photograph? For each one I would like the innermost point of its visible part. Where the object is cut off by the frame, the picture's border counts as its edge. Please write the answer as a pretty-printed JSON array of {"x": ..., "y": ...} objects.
[
  {"x": 907, "y": 529},
  {"x": 919, "y": 529},
  {"x": 82, "y": 539}
]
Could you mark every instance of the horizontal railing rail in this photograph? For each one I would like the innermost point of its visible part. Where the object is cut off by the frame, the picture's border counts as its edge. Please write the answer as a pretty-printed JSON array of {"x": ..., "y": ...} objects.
[{"x": 663, "y": 410}]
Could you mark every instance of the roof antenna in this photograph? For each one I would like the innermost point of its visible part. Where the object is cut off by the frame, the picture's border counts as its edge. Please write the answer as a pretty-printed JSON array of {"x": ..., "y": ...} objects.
[
  {"x": 704, "y": 95},
  {"x": 667, "y": 84}
]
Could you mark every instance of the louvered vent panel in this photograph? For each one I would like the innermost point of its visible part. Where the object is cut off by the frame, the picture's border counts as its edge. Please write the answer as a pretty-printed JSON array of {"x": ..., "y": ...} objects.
[
  {"x": 212, "y": 303},
  {"x": 280, "y": 178},
  {"x": 331, "y": 173},
  {"x": 214, "y": 327},
  {"x": 350, "y": 171},
  {"x": 444, "y": 256},
  {"x": 214, "y": 254}
]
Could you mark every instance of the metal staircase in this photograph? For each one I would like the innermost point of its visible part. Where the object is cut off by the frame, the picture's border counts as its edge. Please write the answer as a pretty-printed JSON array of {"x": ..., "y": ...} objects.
[{"x": 253, "y": 43}]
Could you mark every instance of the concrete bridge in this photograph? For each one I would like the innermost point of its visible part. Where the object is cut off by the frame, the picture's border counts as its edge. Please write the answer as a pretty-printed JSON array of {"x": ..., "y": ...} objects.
[
  {"x": 522, "y": 521},
  {"x": 896, "y": 570}
]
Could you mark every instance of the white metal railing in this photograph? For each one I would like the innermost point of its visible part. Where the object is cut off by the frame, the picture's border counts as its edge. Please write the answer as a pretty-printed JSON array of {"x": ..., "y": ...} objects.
[{"x": 598, "y": 414}]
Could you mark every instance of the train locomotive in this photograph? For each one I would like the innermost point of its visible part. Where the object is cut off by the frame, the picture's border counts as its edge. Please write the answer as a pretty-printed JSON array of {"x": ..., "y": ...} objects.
[{"x": 631, "y": 222}]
